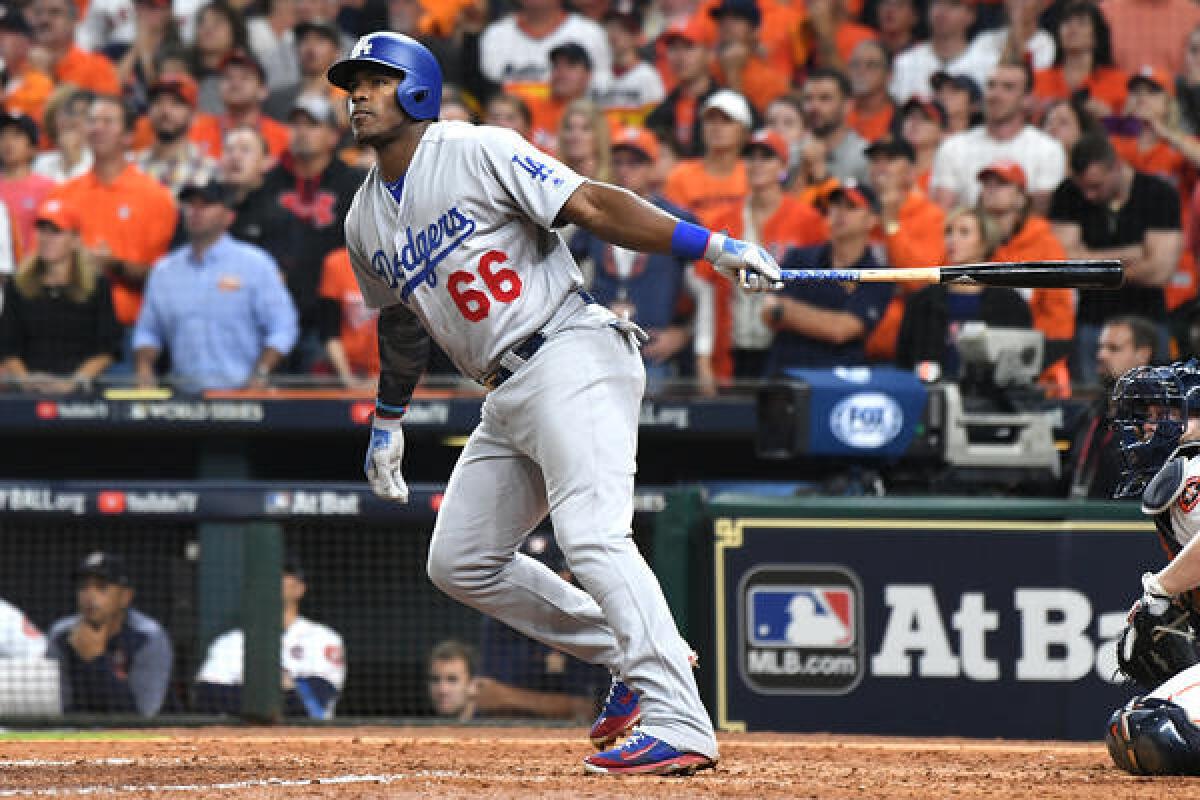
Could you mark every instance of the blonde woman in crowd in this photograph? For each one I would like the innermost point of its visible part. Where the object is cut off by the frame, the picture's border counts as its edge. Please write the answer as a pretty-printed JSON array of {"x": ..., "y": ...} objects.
[
  {"x": 58, "y": 331},
  {"x": 66, "y": 112},
  {"x": 933, "y": 315},
  {"x": 584, "y": 141}
]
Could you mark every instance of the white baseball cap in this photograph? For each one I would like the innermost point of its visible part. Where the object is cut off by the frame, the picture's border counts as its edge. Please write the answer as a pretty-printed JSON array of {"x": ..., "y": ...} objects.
[{"x": 732, "y": 105}]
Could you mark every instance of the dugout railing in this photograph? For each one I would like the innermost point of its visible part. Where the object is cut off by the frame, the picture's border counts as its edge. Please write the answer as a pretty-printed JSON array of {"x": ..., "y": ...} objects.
[{"x": 206, "y": 556}]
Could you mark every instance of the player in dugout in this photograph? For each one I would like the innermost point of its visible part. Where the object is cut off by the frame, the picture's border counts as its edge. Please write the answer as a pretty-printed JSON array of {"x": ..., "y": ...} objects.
[
  {"x": 113, "y": 658},
  {"x": 452, "y": 235},
  {"x": 312, "y": 658}
]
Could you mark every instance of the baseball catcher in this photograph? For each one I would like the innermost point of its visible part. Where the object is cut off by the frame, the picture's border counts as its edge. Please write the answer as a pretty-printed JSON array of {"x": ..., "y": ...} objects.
[{"x": 1156, "y": 412}]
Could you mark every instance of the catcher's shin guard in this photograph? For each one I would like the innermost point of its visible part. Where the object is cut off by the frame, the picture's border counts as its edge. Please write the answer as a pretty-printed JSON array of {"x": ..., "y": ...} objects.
[{"x": 1151, "y": 736}]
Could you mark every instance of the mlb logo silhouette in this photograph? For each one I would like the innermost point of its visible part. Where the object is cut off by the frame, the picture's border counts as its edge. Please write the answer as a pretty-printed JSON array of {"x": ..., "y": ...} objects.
[
  {"x": 279, "y": 502},
  {"x": 801, "y": 616}
]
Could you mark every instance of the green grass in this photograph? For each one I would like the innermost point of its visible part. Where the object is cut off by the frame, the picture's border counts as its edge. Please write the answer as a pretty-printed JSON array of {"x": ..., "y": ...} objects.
[{"x": 76, "y": 736}]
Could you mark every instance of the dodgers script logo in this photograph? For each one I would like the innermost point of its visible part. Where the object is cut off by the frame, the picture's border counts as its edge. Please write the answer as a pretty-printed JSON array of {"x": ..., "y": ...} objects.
[
  {"x": 805, "y": 616},
  {"x": 801, "y": 629},
  {"x": 866, "y": 420},
  {"x": 422, "y": 251}
]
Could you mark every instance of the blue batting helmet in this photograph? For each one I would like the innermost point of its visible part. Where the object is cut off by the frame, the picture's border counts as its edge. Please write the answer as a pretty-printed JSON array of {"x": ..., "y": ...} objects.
[
  {"x": 420, "y": 89},
  {"x": 1161, "y": 397}
]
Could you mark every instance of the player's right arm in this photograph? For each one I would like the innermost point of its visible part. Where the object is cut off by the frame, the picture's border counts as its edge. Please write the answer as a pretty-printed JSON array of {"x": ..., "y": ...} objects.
[
  {"x": 403, "y": 352},
  {"x": 626, "y": 220}
]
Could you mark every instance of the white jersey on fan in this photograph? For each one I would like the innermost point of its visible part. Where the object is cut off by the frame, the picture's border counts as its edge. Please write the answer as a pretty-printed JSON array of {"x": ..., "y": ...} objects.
[
  {"x": 18, "y": 636},
  {"x": 632, "y": 93},
  {"x": 309, "y": 650},
  {"x": 478, "y": 265},
  {"x": 510, "y": 55}
]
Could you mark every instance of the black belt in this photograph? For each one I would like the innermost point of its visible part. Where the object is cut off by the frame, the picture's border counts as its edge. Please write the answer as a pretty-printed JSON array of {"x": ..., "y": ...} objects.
[{"x": 522, "y": 352}]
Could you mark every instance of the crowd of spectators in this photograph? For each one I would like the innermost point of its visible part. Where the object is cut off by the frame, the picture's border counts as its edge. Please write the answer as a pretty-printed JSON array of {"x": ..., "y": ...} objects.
[{"x": 174, "y": 175}]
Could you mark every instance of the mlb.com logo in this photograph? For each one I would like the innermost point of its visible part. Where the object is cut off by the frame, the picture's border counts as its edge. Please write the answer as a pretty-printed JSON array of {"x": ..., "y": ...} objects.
[
  {"x": 801, "y": 629},
  {"x": 802, "y": 616}
]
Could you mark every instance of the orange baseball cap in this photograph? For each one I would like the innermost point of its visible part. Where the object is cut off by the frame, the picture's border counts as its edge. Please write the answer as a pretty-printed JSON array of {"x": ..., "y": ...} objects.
[
  {"x": 179, "y": 84},
  {"x": 638, "y": 139},
  {"x": 691, "y": 30},
  {"x": 767, "y": 139},
  {"x": 1153, "y": 76},
  {"x": 58, "y": 214},
  {"x": 1005, "y": 170}
]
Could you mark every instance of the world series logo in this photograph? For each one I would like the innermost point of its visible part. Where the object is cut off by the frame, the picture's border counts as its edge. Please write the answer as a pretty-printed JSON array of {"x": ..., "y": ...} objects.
[{"x": 801, "y": 629}]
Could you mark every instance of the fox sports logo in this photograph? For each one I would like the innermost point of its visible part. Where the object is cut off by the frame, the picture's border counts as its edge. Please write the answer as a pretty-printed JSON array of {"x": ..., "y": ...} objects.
[{"x": 866, "y": 420}]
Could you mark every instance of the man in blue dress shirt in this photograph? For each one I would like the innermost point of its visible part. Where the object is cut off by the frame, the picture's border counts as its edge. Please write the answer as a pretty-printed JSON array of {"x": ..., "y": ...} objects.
[{"x": 217, "y": 305}]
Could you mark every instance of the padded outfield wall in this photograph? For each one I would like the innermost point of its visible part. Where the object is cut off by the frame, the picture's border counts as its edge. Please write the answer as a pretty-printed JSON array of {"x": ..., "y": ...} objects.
[{"x": 926, "y": 616}]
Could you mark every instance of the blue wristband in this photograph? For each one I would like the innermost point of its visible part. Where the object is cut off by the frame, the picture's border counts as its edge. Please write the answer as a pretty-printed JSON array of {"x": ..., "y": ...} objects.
[
  {"x": 389, "y": 412},
  {"x": 689, "y": 241}
]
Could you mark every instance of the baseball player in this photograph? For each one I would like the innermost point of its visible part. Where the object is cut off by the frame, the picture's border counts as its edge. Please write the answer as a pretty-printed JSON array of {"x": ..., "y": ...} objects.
[
  {"x": 312, "y": 657},
  {"x": 19, "y": 638},
  {"x": 452, "y": 236},
  {"x": 1157, "y": 415}
]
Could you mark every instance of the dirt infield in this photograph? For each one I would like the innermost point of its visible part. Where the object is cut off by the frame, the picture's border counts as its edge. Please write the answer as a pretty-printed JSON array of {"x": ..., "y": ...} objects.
[{"x": 529, "y": 762}]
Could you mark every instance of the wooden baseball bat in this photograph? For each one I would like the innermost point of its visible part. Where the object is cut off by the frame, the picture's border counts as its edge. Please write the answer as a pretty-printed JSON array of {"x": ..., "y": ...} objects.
[{"x": 1013, "y": 274}]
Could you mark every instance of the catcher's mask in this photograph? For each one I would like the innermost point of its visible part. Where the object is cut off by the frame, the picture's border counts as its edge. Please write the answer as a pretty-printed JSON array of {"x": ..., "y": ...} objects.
[{"x": 1149, "y": 410}]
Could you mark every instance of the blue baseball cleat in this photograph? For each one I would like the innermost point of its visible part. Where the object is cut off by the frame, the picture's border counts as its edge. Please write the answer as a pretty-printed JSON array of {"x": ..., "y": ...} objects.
[
  {"x": 620, "y": 713},
  {"x": 642, "y": 754}
]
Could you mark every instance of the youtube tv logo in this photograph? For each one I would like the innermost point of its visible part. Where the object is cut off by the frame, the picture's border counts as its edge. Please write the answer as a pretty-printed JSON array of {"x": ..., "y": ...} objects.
[
  {"x": 360, "y": 413},
  {"x": 110, "y": 502},
  {"x": 46, "y": 409}
]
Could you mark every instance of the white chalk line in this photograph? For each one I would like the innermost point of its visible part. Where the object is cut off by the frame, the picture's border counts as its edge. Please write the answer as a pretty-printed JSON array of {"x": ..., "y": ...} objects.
[
  {"x": 834, "y": 742},
  {"x": 75, "y": 762},
  {"x": 259, "y": 783}
]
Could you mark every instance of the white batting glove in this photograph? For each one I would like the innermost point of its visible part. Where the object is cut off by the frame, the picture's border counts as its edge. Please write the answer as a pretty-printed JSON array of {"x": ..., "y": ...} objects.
[
  {"x": 384, "y": 454},
  {"x": 752, "y": 267}
]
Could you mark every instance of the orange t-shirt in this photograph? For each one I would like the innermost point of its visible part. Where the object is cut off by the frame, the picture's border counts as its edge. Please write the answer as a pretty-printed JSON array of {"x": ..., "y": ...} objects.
[
  {"x": 357, "y": 333},
  {"x": 1107, "y": 84},
  {"x": 86, "y": 70},
  {"x": 134, "y": 215},
  {"x": 28, "y": 93},
  {"x": 208, "y": 132},
  {"x": 849, "y": 35},
  {"x": 546, "y": 113},
  {"x": 761, "y": 82},
  {"x": 1053, "y": 309},
  {"x": 143, "y": 132},
  {"x": 706, "y": 195},
  {"x": 794, "y": 224},
  {"x": 779, "y": 26},
  {"x": 872, "y": 126},
  {"x": 1150, "y": 31},
  {"x": 917, "y": 242},
  {"x": 1161, "y": 159}
]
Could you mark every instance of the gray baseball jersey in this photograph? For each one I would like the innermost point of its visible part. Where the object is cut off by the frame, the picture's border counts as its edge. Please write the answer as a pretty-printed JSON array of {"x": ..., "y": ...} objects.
[
  {"x": 466, "y": 244},
  {"x": 469, "y": 246}
]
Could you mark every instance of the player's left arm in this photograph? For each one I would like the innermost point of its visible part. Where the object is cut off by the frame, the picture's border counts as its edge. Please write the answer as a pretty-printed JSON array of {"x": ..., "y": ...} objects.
[{"x": 624, "y": 219}]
